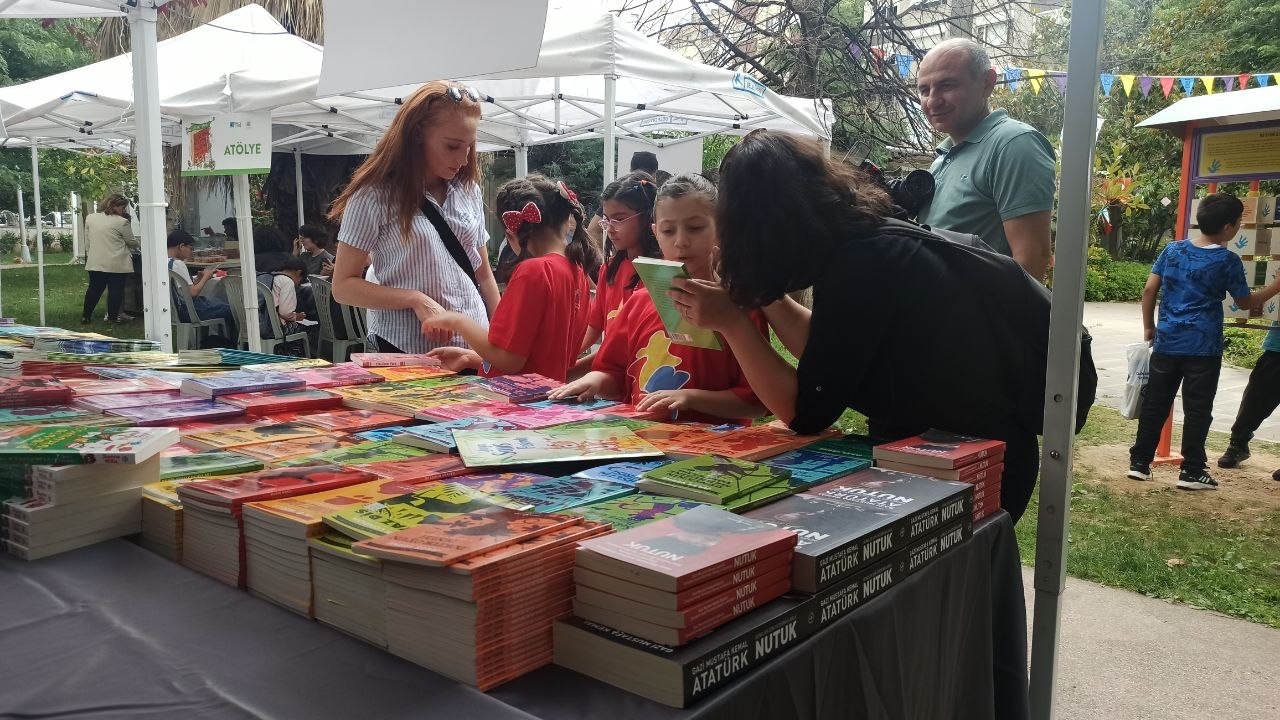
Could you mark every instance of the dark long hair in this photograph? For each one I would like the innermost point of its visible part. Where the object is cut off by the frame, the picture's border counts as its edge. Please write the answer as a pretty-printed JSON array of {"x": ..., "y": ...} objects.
[
  {"x": 784, "y": 208},
  {"x": 556, "y": 207},
  {"x": 638, "y": 191}
]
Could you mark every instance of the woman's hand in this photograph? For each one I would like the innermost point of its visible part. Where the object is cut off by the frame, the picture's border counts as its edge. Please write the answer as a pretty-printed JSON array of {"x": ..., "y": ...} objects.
[
  {"x": 704, "y": 303},
  {"x": 457, "y": 359},
  {"x": 585, "y": 389},
  {"x": 426, "y": 311},
  {"x": 665, "y": 400}
]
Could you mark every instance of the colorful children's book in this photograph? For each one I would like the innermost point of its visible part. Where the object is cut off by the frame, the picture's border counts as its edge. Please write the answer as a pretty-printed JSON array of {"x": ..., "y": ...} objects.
[
  {"x": 352, "y": 420},
  {"x": 206, "y": 464},
  {"x": 282, "y": 367},
  {"x": 675, "y": 553},
  {"x": 522, "y": 417},
  {"x": 419, "y": 469},
  {"x": 303, "y": 515},
  {"x": 939, "y": 449},
  {"x": 525, "y": 388},
  {"x": 657, "y": 276},
  {"x": 812, "y": 466},
  {"x": 609, "y": 421},
  {"x": 85, "y": 387},
  {"x": 372, "y": 360},
  {"x": 281, "y": 450},
  {"x": 483, "y": 448},
  {"x": 439, "y": 436},
  {"x": 40, "y": 414},
  {"x": 381, "y": 434},
  {"x": 34, "y": 390},
  {"x": 499, "y": 484},
  {"x": 238, "y": 381},
  {"x": 231, "y": 492},
  {"x": 626, "y": 512},
  {"x": 753, "y": 443},
  {"x": 175, "y": 414},
  {"x": 563, "y": 493},
  {"x": 626, "y": 473},
  {"x": 464, "y": 536},
  {"x": 252, "y": 435},
  {"x": 432, "y": 503},
  {"x": 854, "y": 446},
  {"x": 33, "y": 445},
  {"x": 710, "y": 478},
  {"x": 396, "y": 397},
  {"x": 103, "y": 403},
  {"x": 402, "y": 374},
  {"x": 274, "y": 401},
  {"x": 340, "y": 375},
  {"x": 678, "y": 439},
  {"x": 359, "y": 454},
  {"x": 595, "y": 404}
]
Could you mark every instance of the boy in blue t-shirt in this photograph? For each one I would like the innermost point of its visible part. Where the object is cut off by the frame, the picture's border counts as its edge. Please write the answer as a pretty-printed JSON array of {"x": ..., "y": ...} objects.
[{"x": 1192, "y": 277}]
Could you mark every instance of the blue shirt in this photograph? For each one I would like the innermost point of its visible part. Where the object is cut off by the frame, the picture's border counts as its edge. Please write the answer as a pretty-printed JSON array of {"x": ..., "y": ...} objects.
[
  {"x": 1193, "y": 282},
  {"x": 1271, "y": 343}
]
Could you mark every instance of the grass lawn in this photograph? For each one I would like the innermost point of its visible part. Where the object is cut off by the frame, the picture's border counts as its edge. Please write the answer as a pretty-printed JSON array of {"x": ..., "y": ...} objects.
[{"x": 64, "y": 299}]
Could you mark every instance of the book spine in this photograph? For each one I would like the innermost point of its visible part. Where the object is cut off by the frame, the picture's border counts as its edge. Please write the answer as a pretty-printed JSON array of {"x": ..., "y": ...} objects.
[
  {"x": 785, "y": 544},
  {"x": 733, "y": 658},
  {"x": 841, "y": 562},
  {"x": 928, "y": 520},
  {"x": 715, "y": 612},
  {"x": 47, "y": 457}
]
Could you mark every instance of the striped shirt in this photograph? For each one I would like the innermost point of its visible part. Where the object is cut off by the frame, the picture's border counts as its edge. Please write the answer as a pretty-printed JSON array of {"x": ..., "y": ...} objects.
[{"x": 421, "y": 262}]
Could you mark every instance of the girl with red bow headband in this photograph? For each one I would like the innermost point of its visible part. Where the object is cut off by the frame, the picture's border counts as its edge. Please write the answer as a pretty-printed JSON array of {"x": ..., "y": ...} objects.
[{"x": 540, "y": 321}]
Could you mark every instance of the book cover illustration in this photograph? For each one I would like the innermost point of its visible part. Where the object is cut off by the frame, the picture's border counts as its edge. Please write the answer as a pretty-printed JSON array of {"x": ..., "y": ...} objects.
[
  {"x": 700, "y": 540},
  {"x": 206, "y": 464},
  {"x": 255, "y": 434},
  {"x": 481, "y": 448},
  {"x": 177, "y": 413},
  {"x": 626, "y": 473},
  {"x": 402, "y": 374},
  {"x": 563, "y": 493},
  {"x": 528, "y": 387},
  {"x": 26, "y": 444},
  {"x": 821, "y": 525},
  {"x": 457, "y": 538},
  {"x": 85, "y": 386},
  {"x": 936, "y": 448},
  {"x": 750, "y": 443},
  {"x": 238, "y": 381},
  {"x": 310, "y": 509},
  {"x": 657, "y": 276},
  {"x": 166, "y": 491},
  {"x": 281, "y": 450},
  {"x": 360, "y": 454},
  {"x": 500, "y": 483},
  {"x": 232, "y": 492},
  {"x": 408, "y": 397},
  {"x": 609, "y": 421},
  {"x": 854, "y": 446},
  {"x": 103, "y": 403},
  {"x": 594, "y": 404},
  {"x": 439, "y": 436},
  {"x": 680, "y": 439},
  {"x": 432, "y": 503},
  {"x": 812, "y": 467},
  {"x": 37, "y": 414},
  {"x": 33, "y": 390},
  {"x": 352, "y": 420},
  {"x": 485, "y": 567},
  {"x": 277, "y": 367},
  {"x": 340, "y": 375},
  {"x": 713, "y": 478},
  {"x": 418, "y": 469},
  {"x": 381, "y": 434},
  {"x": 624, "y": 513},
  {"x": 374, "y": 360},
  {"x": 274, "y": 401},
  {"x": 521, "y": 416}
]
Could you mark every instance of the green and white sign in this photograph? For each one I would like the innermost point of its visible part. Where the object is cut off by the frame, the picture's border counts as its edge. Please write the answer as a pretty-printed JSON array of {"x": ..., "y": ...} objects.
[{"x": 231, "y": 144}]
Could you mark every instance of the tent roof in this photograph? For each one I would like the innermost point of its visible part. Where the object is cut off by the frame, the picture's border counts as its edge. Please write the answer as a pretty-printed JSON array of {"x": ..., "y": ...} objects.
[
  {"x": 41, "y": 9},
  {"x": 1232, "y": 108}
]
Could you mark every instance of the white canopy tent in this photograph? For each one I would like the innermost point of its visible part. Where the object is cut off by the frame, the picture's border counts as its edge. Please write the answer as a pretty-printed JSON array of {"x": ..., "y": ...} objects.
[{"x": 1234, "y": 108}]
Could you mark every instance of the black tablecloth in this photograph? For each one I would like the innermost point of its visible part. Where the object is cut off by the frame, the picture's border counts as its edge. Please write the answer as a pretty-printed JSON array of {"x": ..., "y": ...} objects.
[{"x": 113, "y": 631}]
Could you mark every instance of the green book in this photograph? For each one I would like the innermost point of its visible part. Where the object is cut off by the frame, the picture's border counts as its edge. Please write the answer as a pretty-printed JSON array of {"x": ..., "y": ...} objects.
[
  {"x": 359, "y": 454},
  {"x": 207, "y": 464},
  {"x": 850, "y": 446},
  {"x": 43, "y": 415},
  {"x": 711, "y": 478},
  {"x": 762, "y": 495},
  {"x": 432, "y": 503},
  {"x": 625, "y": 513},
  {"x": 33, "y": 445},
  {"x": 657, "y": 276}
]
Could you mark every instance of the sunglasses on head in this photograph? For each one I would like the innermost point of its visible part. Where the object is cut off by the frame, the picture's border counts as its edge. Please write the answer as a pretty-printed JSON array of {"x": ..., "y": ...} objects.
[{"x": 457, "y": 93}]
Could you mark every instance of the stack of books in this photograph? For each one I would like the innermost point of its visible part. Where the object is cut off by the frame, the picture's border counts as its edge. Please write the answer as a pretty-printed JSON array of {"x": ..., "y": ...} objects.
[
  {"x": 162, "y": 518},
  {"x": 341, "y": 375},
  {"x": 631, "y": 511},
  {"x": 348, "y": 592},
  {"x": 735, "y": 484},
  {"x": 275, "y": 401},
  {"x": 676, "y": 579},
  {"x": 948, "y": 456},
  {"x": 212, "y": 532},
  {"x": 27, "y": 391},
  {"x": 526, "y": 388},
  {"x": 473, "y": 597},
  {"x": 174, "y": 414},
  {"x": 238, "y": 382},
  {"x": 487, "y": 448},
  {"x": 438, "y": 437},
  {"x": 372, "y": 360},
  {"x": 97, "y": 498}
]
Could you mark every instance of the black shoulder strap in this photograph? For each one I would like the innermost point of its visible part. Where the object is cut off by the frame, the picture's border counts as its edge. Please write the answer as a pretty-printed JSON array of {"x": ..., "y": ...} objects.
[
  {"x": 904, "y": 227},
  {"x": 451, "y": 242}
]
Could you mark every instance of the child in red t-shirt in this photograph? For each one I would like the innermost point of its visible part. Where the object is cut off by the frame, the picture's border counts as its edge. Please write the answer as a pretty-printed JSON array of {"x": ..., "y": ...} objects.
[
  {"x": 539, "y": 323},
  {"x": 638, "y": 363},
  {"x": 627, "y": 219}
]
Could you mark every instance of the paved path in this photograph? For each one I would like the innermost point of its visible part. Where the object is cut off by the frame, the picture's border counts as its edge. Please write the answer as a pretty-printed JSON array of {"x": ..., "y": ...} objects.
[
  {"x": 1125, "y": 655},
  {"x": 1115, "y": 325}
]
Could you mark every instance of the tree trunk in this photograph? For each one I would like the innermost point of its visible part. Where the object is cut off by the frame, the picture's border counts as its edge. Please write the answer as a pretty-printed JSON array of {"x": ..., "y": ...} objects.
[{"x": 1113, "y": 238}]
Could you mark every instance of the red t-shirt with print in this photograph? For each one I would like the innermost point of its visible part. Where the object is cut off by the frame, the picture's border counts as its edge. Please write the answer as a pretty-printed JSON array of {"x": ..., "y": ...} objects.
[
  {"x": 543, "y": 315},
  {"x": 638, "y": 352},
  {"x": 610, "y": 296}
]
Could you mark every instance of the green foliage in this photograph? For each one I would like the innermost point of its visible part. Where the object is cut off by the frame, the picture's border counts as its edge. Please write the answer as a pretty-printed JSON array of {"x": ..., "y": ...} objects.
[
  {"x": 8, "y": 241},
  {"x": 1217, "y": 36},
  {"x": 714, "y": 148},
  {"x": 29, "y": 50},
  {"x": 1242, "y": 347},
  {"x": 580, "y": 164},
  {"x": 92, "y": 174},
  {"x": 1107, "y": 280}
]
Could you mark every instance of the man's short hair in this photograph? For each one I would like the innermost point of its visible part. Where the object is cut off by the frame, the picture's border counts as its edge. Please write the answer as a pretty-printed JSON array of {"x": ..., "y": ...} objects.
[
  {"x": 179, "y": 237},
  {"x": 293, "y": 262},
  {"x": 979, "y": 62},
  {"x": 1218, "y": 211},
  {"x": 645, "y": 161},
  {"x": 317, "y": 234}
]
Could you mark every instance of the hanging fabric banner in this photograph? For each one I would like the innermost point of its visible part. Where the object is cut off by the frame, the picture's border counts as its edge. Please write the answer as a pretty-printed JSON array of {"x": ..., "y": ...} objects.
[
  {"x": 1188, "y": 84},
  {"x": 1035, "y": 77},
  {"x": 1263, "y": 80},
  {"x": 904, "y": 65},
  {"x": 1013, "y": 76},
  {"x": 1166, "y": 84},
  {"x": 1060, "y": 82},
  {"x": 1244, "y": 80},
  {"x": 1107, "y": 81},
  {"x": 855, "y": 50},
  {"x": 1126, "y": 82},
  {"x": 1208, "y": 83},
  {"x": 1229, "y": 83},
  {"x": 1144, "y": 84}
]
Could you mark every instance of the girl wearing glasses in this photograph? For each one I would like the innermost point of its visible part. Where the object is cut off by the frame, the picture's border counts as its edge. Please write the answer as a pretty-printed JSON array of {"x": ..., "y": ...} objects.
[
  {"x": 414, "y": 211},
  {"x": 626, "y": 217},
  {"x": 543, "y": 314}
]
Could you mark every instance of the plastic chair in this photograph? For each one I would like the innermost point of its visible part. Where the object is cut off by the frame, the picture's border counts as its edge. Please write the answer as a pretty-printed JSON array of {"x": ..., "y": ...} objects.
[
  {"x": 194, "y": 329},
  {"x": 235, "y": 296},
  {"x": 322, "y": 290}
]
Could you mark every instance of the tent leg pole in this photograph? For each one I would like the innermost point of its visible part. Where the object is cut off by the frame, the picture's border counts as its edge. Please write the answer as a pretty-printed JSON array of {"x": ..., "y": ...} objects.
[
  {"x": 1066, "y": 318},
  {"x": 75, "y": 227},
  {"x": 35, "y": 192},
  {"x": 248, "y": 266},
  {"x": 297, "y": 185},
  {"x": 610, "y": 98},
  {"x": 522, "y": 160},
  {"x": 151, "y": 202}
]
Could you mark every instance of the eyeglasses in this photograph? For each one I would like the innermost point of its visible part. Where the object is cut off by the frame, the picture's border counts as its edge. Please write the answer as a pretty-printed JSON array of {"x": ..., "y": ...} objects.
[
  {"x": 608, "y": 224},
  {"x": 457, "y": 93}
]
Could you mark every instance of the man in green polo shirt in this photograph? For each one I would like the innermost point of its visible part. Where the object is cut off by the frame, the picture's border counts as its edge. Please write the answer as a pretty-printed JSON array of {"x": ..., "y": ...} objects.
[{"x": 994, "y": 174}]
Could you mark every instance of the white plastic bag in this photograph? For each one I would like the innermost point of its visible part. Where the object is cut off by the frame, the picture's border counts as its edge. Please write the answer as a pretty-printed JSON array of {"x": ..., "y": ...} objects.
[{"x": 1139, "y": 355}]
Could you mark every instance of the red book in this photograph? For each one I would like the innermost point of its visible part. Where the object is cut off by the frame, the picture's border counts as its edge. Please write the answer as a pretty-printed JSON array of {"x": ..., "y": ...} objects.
[
  {"x": 936, "y": 449},
  {"x": 676, "y": 553},
  {"x": 370, "y": 360},
  {"x": 340, "y": 375},
  {"x": 965, "y": 473},
  {"x": 696, "y": 615},
  {"x": 275, "y": 401},
  {"x": 420, "y": 469},
  {"x": 104, "y": 386},
  {"x": 695, "y": 595},
  {"x": 526, "y": 388},
  {"x": 754, "y": 443},
  {"x": 463, "y": 536},
  {"x": 230, "y": 493},
  {"x": 29, "y": 391},
  {"x": 352, "y": 420},
  {"x": 525, "y": 418}
]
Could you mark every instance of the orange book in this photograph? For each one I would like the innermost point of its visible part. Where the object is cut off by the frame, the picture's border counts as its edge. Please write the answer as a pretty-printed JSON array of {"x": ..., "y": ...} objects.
[
  {"x": 754, "y": 443},
  {"x": 428, "y": 468},
  {"x": 463, "y": 536},
  {"x": 352, "y": 421}
]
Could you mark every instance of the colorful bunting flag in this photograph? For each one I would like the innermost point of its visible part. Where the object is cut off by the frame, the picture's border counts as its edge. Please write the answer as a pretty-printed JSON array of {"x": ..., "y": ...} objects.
[
  {"x": 855, "y": 50},
  {"x": 1144, "y": 84},
  {"x": 1229, "y": 83},
  {"x": 1166, "y": 84},
  {"x": 1126, "y": 82},
  {"x": 1107, "y": 81},
  {"x": 1263, "y": 80},
  {"x": 1208, "y": 83},
  {"x": 1013, "y": 76},
  {"x": 1060, "y": 81},
  {"x": 1035, "y": 77},
  {"x": 1188, "y": 84},
  {"x": 904, "y": 65},
  {"x": 1244, "y": 80}
]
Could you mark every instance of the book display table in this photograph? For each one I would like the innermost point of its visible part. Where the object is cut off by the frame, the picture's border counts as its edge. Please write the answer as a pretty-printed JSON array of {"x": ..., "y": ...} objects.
[{"x": 114, "y": 631}]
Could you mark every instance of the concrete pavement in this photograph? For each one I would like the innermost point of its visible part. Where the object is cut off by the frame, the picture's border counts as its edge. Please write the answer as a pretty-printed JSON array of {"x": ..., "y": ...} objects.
[
  {"x": 1125, "y": 655},
  {"x": 1115, "y": 325}
]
